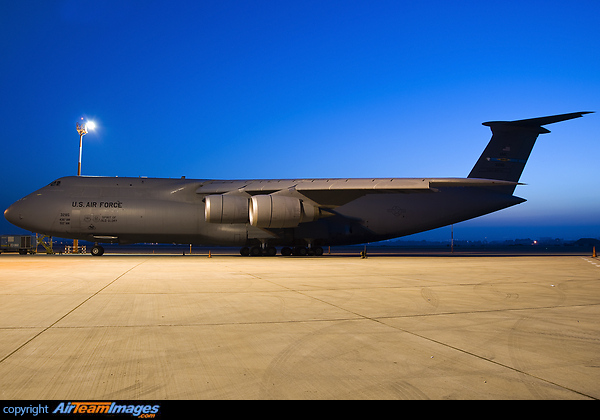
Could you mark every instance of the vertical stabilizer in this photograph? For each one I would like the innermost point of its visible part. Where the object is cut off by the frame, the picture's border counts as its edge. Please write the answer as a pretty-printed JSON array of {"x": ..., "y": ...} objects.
[{"x": 507, "y": 152}]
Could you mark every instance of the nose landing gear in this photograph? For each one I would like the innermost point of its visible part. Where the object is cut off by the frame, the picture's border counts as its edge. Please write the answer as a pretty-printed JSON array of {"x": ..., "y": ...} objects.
[{"x": 97, "y": 250}]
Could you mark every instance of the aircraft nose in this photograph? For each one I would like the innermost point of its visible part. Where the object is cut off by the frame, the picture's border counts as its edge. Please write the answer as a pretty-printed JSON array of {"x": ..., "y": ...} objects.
[
  {"x": 10, "y": 214},
  {"x": 14, "y": 214}
]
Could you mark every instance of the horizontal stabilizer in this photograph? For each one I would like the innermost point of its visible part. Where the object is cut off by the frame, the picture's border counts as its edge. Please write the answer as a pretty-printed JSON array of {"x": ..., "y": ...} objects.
[{"x": 538, "y": 122}]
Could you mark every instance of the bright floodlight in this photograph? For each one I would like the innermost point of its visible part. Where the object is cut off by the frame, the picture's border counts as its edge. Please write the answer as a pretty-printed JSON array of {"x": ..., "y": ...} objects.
[{"x": 90, "y": 125}]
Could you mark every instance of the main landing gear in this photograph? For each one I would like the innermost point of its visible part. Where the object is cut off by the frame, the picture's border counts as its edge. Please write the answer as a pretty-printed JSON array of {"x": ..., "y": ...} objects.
[
  {"x": 257, "y": 251},
  {"x": 271, "y": 251}
]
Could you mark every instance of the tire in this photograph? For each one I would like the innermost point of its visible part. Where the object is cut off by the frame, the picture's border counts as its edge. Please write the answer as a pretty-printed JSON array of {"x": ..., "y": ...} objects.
[
  {"x": 300, "y": 251},
  {"x": 97, "y": 250}
]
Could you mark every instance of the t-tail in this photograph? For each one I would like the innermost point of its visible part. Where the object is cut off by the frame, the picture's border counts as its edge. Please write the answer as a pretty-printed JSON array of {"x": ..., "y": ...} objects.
[{"x": 506, "y": 154}]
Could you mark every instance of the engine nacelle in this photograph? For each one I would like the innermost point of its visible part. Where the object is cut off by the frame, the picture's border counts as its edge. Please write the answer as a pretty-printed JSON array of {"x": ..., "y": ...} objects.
[
  {"x": 278, "y": 211},
  {"x": 226, "y": 208}
]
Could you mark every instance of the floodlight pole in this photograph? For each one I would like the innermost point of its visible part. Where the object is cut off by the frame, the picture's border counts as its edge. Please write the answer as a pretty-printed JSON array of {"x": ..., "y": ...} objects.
[{"x": 82, "y": 130}]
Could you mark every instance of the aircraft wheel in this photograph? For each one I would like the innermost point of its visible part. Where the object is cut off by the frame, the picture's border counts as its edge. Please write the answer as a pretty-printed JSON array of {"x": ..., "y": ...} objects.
[
  {"x": 97, "y": 250},
  {"x": 318, "y": 251},
  {"x": 255, "y": 251},
  {"x": 270, "y": 251},
  {"x": 300, "y": 251},
  {"x": 286, "y": 251},
  {"x": 245, "y": 251}
]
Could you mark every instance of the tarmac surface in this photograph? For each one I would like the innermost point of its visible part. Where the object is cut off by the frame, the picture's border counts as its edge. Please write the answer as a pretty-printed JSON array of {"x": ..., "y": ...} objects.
[{"x": 167, "y": 327}]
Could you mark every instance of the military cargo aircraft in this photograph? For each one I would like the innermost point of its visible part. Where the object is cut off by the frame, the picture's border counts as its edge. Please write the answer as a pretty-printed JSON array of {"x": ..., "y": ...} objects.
[{"x": 300, "y": 216}]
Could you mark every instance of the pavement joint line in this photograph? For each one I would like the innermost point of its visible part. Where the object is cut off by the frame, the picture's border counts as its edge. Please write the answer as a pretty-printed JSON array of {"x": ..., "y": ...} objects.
[
  {"x": 69, "y": 312},
  {"x": 379, "y": 321},
  {"x": 489, "y": 360},
  {"x": 357, "y": 317}
]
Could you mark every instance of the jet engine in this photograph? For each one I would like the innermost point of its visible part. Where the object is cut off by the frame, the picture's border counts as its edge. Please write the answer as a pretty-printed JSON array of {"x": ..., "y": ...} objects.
[
  {"x": 226, "y": 208},
  {"x": 278, "y": 211}
]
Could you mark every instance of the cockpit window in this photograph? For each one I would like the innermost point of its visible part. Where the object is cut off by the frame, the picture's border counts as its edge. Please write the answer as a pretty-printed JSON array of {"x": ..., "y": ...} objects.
[{"x": 54, "y": 184}]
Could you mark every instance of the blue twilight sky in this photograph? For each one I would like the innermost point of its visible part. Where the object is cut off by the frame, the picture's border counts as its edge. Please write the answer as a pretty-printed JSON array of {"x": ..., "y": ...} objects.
[{"x": 289, "y": 89}]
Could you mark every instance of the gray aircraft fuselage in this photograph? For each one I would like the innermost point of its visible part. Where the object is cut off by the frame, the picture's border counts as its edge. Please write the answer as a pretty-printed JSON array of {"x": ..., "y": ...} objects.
[
  {"x": 291, "y": 213},
  {"x": 129, "y": 210}
]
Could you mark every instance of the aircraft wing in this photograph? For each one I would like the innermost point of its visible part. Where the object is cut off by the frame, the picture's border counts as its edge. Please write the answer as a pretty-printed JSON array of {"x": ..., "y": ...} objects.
[{"x": 331, "y": 193}]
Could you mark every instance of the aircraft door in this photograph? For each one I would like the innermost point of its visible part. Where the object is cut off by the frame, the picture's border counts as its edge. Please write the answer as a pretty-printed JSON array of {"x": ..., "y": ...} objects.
[{"x": 74, "y": 225}]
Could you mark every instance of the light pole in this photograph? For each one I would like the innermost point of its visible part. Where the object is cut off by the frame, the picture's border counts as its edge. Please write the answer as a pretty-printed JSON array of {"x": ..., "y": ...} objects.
[{"x": 82, "y": 129}]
